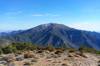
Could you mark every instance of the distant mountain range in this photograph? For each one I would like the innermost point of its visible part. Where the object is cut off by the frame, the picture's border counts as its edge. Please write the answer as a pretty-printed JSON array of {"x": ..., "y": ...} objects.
[{"x": 57, "y": 35}]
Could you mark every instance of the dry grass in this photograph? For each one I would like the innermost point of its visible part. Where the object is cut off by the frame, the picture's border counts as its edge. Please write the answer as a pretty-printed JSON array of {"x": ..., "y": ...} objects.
[{"x": 28, "y": 54}]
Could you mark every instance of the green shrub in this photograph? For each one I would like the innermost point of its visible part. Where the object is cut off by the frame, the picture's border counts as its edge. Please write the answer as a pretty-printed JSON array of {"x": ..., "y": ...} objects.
[
  {"x": 24, "y": 46},
  {"x": 1, "y": 51},
  {"x": 89, "y": 50},
  {"x": 97, "y": 52},
  {"x": 81, "y": 50},
  {"x": 9, "y": 49},
  {"x": 71, "y": 50},
  {"x": 50, "y": 48}
]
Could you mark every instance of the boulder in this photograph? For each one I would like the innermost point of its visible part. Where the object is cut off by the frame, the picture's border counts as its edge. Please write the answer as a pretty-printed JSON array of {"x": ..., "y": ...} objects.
[
  {"x": 19, "y": 57},
  {"x": 9, "y": 58},
  {"x": 3, "y": 62}
]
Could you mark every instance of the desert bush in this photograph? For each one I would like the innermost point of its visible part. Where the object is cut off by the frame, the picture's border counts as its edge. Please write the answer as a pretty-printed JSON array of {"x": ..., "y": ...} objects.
[
  {"x": 89, "y": 50},
  {"x": 9, "y": 49},
  {"x": 50, "y": 48},
  {"x": 1, "y": 51},
  {"x": 97, "y": 52},
  {"x": 99, "y": 61},
  {"x": 81, "y": 50},
  {"x": 58, "y": 51},
  {"x": 24, "y": 46},
  {"x": 64, "y": 64},
  {"x": 27, "y": 63},
  {"x": 28, "y": 55},
  {"x": 71, "y": 50},
  {"x": 16, "y": 47},
  {"x": 9, "y": 58}
]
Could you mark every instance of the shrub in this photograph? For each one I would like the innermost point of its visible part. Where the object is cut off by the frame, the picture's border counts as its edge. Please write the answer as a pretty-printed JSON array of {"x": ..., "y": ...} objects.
[
  {"x": 97, "y": 52},
  {"x": 24, "y": 46},
  {"x": 27, "y": 63},
  {"x": 1, "y": 51},
  {"x": 58, "y": 51},
  {"x": 81, "y": 50},
  {"x": 9, "y": 49},
  {"x": 71, "y": 50},
  {"x": 50, "y": 48},
  {"x": 64, "y": 64},
  {"x": 28, "y": 54},
  {"x": 89, "y": 50}
]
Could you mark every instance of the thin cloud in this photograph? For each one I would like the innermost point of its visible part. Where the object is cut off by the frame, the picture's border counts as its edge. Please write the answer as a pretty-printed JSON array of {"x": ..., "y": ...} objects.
[
  {"x": 40, "y": 15},
  {"x": 52, "y": 15},
  {"x": 92, "y": 10},
  {"x": 13, "y": 13},
  {"x": 37, "y": 15},
  {"x": 90, "y": 26}
]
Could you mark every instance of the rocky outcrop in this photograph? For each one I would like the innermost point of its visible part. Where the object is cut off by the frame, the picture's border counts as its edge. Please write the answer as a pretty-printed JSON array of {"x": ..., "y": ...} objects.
[{"x": 47, "y": 58}]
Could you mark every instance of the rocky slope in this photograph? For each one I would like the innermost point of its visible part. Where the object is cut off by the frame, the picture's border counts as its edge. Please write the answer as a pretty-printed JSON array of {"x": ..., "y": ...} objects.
[{"x": 46, "y": 58}]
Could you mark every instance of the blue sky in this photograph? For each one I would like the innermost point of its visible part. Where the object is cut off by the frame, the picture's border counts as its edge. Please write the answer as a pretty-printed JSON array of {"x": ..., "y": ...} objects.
[{"x": 24, "y": 14}]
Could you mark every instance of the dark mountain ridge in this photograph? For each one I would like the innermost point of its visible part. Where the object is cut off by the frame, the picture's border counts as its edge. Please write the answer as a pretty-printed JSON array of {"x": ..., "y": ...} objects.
[{"x": 57, "y": 35}]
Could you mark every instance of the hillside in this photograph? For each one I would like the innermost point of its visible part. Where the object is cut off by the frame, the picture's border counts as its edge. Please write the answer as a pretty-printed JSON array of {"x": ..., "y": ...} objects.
[
  {"x": 56, "y": 35},
  {"x": 46, "y": 58},
  {"x": 27, "y": 54}
]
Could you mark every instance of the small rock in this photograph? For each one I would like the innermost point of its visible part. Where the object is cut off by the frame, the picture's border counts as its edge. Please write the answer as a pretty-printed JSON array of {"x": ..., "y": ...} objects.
[
  {"x": 64, "y": 64},
  {"x": 3, "y": 62},
  {"x": 27, "y": 63},
  {"x": 11, "y": 64},
  {"x": 0, "y": 58},
  {"x": 2, "y": 65},
  {"x": 33, "y": 60},
  {"x": 99, "y": 63},
  {"x": 20, "y": 58},
  {"x": 9, "y": 58},
  {"x": 70, "y": 55},
  {"x": 28, "y": 55},
  {"x": 39, "y": 51},
  {"x": 58, "y": 52}
]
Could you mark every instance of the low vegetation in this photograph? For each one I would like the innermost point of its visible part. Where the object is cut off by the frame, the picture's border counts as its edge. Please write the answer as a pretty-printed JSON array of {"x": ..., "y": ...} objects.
[
  {"x": 18, "y": 47},
  {"x": 28, "y": 54},
  {"x": 88, "y": 50}
]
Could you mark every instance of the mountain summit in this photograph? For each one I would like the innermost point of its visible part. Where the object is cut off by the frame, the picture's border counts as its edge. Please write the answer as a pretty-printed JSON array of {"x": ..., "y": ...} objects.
[{"x": 57, "y": 35}]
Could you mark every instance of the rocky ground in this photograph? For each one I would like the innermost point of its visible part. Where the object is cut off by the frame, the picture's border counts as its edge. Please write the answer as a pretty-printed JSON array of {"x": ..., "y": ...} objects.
[{"x": 46, "y": 58}]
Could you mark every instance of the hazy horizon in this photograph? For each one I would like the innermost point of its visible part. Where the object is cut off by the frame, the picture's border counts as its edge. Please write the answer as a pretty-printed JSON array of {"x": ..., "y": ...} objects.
[
  {"x": 25, "y": 14},
  {"x": 47, "y": 23}
]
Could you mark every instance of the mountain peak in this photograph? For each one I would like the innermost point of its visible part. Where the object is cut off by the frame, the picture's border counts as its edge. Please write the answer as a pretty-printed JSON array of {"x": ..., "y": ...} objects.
[
  {"x": 58, "y": 35},
  {"x": 49, "y": 24},
  {"x": 53, "y": 25}
]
